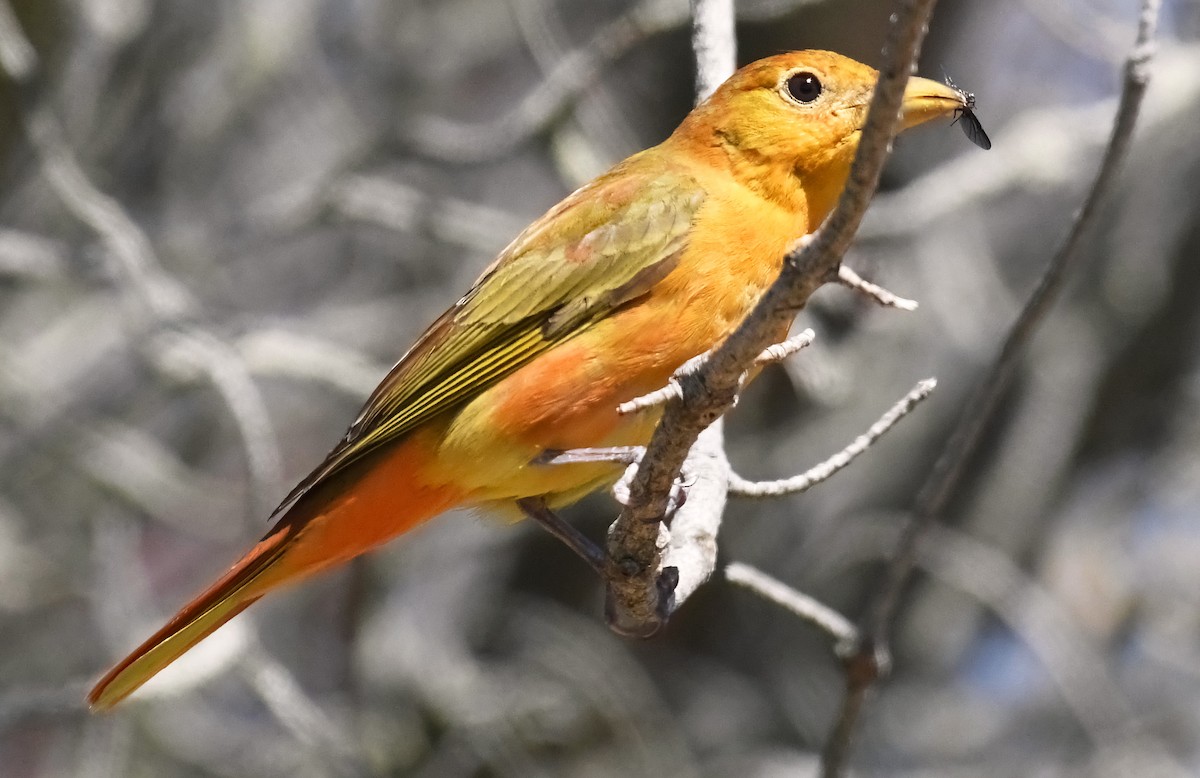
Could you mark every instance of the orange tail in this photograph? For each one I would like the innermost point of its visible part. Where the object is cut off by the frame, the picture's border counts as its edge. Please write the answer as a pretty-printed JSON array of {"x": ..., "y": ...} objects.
[
  {"x": 354, "y": 513},
  {"x": 218, "y": 604}
]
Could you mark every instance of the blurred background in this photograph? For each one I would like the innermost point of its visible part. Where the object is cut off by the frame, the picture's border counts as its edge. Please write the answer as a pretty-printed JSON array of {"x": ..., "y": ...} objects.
[{"x": 221, "y": 222}]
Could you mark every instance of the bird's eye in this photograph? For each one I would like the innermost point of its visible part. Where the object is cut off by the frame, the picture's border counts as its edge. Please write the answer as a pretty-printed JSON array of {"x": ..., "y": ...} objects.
[{"x": 804, "y": 86}]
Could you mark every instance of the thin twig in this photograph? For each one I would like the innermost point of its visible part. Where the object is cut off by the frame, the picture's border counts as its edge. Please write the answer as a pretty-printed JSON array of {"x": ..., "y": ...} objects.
[
  {"x": 832, "y": 623},
  {"x": 866, "y": 666},
  {"x": 633, "y": 601},
  {"x": 778, "y": 352},
  {"x": 851, "y": 280},
  {"x": 821, "y": 472},
  {"x": 774, "y": 353},
  {"x": 198, "y": 351}
]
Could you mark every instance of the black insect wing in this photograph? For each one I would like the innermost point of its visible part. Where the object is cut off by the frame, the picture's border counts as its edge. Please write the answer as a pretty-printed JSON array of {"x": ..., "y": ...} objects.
[
  {"x": 973, "y": 129},
  {"x": 967, "y": 118}
]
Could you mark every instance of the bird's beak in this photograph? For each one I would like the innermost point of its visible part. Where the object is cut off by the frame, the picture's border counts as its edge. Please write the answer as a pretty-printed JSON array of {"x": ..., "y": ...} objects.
[{"x": 925, "y": 99}]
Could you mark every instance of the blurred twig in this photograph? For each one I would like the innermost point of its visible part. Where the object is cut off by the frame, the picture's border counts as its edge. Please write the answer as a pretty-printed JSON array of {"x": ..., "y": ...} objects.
[
  {"x": 1050, "y": 149},
  {"x": 296, "y": 711},
  {"x": 27, "y": 255},
  {"x": 585, "y": 147},
  {"x": 405, "y": 208},
  {"x": 1032, "y": 613},
  {"x": 714, "y": 43},
  {"x": 459, "y": 142},
  {"x": 1094, "y": 34},
  {"x": 866, "y": 665},
  {"x": 135, "y": 265}
]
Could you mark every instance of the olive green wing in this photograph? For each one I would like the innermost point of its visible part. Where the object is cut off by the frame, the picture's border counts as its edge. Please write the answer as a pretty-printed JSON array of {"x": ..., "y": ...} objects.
[{"x": 608, "y": 243}]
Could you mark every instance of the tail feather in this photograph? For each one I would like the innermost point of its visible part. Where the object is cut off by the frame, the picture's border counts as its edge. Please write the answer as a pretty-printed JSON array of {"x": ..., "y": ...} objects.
[
  {"x": 384, "y": 494},
  {"x": 226, "y": 598}
]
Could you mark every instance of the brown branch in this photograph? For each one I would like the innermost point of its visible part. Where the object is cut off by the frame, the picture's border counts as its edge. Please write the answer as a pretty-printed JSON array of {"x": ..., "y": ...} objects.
[
  {"x": 634, "y": 595},
  {"x": 868, "y": 663}
]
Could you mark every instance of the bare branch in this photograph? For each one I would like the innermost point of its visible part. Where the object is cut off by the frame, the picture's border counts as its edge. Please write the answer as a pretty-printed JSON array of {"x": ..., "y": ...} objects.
[
  {"x": 778, "y": 352},
  {"x": 829, "y": 621},
  {"x": 851, "y": 280},
  {"x": 671, "y": 391},
  {"x": 633, "y": 604},
  {"x": 821, "y": 472},
  {"x": 865, "y": 666},
  {"x": 691, "y": 546},
  {"x": 934, "y": 495},
  {"x": 774, "y": 353}
]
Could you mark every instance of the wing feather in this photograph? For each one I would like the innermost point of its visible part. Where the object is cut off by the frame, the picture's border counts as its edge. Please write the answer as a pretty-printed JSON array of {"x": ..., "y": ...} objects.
[{"x": 608, "y": 243}]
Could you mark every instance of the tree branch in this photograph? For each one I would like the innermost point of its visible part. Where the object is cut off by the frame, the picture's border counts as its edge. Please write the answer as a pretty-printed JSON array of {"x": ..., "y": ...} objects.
[
  {"x": 633, "y": 597},
  {"x": 776, "y": 352},
  {"x": 821, "y": 472},
  {"x": 851, "y": 280},
  {"x": 865, "y": 667},
  {"x": 820, "y": 615}
]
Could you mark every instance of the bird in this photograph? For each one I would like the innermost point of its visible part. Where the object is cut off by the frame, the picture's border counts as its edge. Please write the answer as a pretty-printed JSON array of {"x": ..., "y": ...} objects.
[{"x": 595, "y": 303}]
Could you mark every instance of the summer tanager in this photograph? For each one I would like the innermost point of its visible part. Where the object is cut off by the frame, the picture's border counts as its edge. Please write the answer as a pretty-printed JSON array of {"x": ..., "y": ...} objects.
[{"x": 595, "y": 303}]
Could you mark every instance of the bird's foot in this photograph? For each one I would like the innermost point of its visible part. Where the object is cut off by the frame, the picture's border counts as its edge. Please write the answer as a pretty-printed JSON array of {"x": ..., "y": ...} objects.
[
  {"x": 536, "y": 509},
  {"x": 675, "y": 499}
]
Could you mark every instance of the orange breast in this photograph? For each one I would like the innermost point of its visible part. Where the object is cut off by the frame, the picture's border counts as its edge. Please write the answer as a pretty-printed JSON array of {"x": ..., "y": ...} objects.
[{"x": 568, "y": 397}]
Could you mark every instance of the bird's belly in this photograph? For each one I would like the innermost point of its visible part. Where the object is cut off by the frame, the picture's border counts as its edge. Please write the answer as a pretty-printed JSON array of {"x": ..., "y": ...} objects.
[{"x": 565, "y": 399}]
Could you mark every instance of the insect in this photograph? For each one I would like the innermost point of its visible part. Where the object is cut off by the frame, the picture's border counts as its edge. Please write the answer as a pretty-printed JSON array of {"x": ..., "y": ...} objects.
[{"x": 970, "y": 122}]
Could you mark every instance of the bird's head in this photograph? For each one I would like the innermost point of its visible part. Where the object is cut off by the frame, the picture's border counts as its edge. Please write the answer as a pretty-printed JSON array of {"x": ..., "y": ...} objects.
[{"x": 799, "y": 116}]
